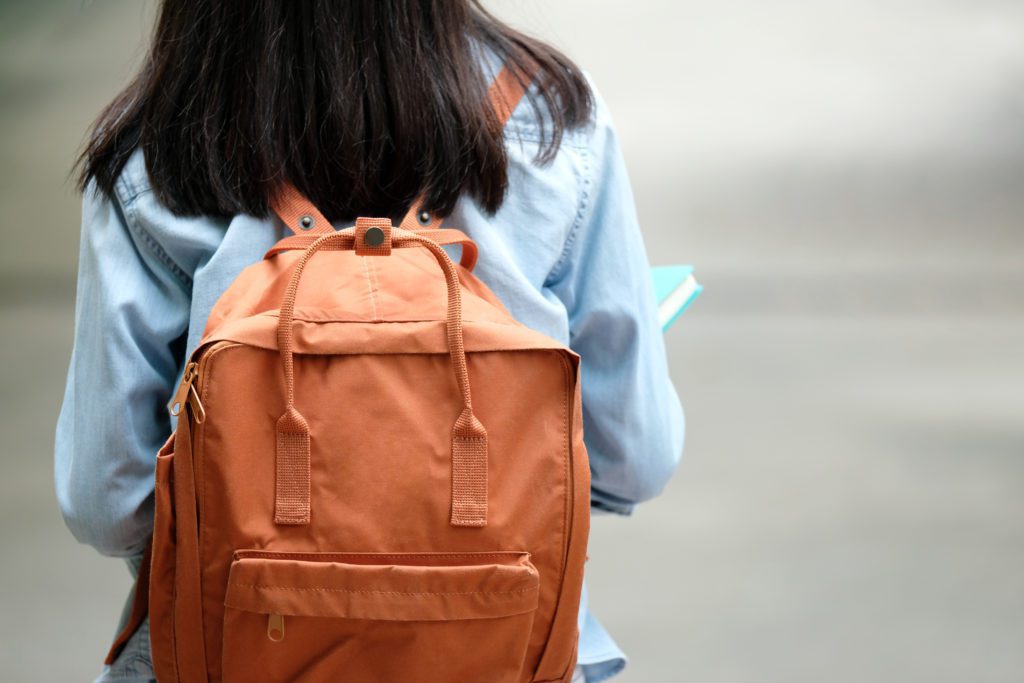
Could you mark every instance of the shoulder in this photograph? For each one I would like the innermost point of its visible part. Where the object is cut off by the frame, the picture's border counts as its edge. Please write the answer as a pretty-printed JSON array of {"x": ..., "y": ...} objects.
[
  {"x": 534, "y": 120},
  {"x": 131, "y": 187},
  {"x": 529, "y": 123},
  {"x": 133, "y": 181},
  {"x": 559, "y": 194},
  {"x": 179, "y": 243}
]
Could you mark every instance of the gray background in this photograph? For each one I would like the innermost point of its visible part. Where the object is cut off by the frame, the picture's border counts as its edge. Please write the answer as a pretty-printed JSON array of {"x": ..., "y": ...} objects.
[{"x": 848, "y": 178}]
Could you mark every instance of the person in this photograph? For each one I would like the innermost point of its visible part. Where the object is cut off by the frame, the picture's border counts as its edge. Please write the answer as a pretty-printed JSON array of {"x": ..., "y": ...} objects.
[{"x": 364, "y": 106}]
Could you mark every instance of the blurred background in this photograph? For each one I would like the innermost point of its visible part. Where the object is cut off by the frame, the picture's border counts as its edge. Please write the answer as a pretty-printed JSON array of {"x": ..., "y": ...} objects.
[{"x": 848, "y": 178}]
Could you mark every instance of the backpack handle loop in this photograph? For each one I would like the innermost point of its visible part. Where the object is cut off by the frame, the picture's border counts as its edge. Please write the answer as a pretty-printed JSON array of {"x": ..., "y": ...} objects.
[
  {"x": 469, "y": 438},
  {"x": 442, "y": 236}
]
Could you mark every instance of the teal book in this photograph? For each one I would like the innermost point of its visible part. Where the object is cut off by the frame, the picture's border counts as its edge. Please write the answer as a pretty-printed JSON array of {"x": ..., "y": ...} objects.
[{"x": 675, "y": 288}]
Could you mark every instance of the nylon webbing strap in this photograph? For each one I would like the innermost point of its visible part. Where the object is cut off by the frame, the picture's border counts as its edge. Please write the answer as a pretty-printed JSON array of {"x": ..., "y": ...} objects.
[
  {"x": 298, "y": 213},
  {"x": 292, "y": 480},
  {"x": 504, "y": 94},
  {"x": 469, "y": 472},
  {"x": 188, "y": 592}
]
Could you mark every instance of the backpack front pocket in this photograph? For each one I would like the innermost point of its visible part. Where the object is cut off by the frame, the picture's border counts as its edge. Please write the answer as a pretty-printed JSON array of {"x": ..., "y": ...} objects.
[{"x": 409, "y": 618}]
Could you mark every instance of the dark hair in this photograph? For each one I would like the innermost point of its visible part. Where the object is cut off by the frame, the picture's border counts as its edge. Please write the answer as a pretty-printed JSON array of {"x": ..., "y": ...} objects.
[{"x": 361, "y": 104}]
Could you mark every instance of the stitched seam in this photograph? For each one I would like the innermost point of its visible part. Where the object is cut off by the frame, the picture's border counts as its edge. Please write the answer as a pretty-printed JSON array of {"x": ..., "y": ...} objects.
[
  {"x": 126, "y": 190},
  {"x": 201, "y": 521},
  {"x": 569, "y": 494},
  {"x": 532, "y": 134},
  {"x": 376, "y": 289},
  {"x": 262, "y": 554},
  {"x": 130, "y": 190},
  {"x": 373, "y": 592},
  {"x": 567, "y": 456},
  {"x": 132, "y": 220},
  {"x": 581, "y": 214},
  {"x": 369, "y": 288},
  {"x": 200, "y": 432},
  {"x": 306, "y": 318}
]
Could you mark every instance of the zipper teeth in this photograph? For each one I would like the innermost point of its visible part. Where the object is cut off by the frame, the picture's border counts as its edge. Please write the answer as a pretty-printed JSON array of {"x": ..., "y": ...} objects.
[
  {"x": 199, "y": 386},
  {"x": 570, "y": 410},
  {"x": 204, "y": 359},
  {"x": 329, "y": 557},
  {"x": 198, "y": 382}
]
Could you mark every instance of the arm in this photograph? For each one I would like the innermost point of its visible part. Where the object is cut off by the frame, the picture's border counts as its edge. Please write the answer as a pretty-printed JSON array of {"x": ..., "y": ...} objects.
[
  {"x": 633, "y": 421},
  {"x": 131, "y": 318}
]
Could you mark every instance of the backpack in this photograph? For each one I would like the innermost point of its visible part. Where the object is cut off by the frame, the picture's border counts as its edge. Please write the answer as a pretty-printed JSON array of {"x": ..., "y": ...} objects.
[{"x": 376, "y": 476}]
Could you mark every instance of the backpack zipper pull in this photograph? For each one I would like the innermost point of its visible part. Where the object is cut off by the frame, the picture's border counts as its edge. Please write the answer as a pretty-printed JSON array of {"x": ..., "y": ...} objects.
[
  {"x": 187, "y": 393},
  {"x": 275, "y": 628}
]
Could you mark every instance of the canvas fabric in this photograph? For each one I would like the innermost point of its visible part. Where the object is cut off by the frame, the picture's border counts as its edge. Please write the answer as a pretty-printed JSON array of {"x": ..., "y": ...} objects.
[{"x": 377, "y": 473}]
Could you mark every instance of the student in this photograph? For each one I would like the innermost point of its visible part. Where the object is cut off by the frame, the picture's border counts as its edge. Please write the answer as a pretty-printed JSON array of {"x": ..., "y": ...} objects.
[{"x": 363, "y": 105}]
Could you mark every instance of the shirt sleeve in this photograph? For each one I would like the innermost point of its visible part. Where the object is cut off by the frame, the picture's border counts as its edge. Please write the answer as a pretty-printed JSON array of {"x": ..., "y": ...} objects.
[
  {"x": 633, "y": 421},
  {"x": 131, "y": 322}
]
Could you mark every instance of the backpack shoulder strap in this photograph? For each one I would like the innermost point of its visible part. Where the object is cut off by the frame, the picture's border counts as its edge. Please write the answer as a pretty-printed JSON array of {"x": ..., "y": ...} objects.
[
  {"x": 303, "y": 218},
  {"x": 505, "y": 93}
]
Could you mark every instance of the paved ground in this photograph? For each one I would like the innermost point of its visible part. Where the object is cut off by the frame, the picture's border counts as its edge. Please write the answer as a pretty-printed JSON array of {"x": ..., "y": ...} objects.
[{"x": 848, "y": 179}]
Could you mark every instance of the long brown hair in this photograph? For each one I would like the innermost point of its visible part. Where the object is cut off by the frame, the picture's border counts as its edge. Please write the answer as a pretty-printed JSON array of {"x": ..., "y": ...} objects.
[{"x": 361, "y": 104}]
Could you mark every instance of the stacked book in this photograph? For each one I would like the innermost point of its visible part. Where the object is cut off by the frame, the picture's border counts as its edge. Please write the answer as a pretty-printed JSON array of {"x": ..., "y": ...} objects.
[{"x": 675, "y": 288}]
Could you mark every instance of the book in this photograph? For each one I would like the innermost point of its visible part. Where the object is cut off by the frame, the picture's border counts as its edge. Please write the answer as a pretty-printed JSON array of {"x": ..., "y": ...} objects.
[{"x": 675, "y": 288}]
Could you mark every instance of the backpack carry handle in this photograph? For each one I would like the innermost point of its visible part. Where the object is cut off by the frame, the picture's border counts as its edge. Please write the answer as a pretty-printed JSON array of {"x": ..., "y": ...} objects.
[
  {"x": 469, "y": 438},
  {"x": 443, "y": 236}
]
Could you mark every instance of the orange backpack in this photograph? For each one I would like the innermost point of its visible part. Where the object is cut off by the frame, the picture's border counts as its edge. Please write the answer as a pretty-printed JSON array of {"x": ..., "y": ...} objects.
[{"x": 378, "y": 476}]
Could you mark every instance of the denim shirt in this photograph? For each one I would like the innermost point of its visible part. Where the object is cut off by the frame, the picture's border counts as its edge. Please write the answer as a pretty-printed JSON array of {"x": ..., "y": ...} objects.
[{"x": 564, "y": 254}]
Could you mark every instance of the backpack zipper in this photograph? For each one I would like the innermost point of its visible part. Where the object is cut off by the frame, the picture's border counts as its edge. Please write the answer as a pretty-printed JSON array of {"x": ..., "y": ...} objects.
[{"x": 187, "y": 394}]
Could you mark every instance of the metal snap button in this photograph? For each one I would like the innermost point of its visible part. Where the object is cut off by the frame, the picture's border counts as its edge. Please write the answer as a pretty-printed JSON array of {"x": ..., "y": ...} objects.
[
  {"x": 306, "y": 222},
  {"x": 425, "y": 218},
  {"x": 374, "y": 237}
]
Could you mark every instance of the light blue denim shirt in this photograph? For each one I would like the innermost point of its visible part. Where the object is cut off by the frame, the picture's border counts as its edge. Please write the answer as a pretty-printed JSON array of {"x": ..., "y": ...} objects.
[{"x": 564, "y": 254}]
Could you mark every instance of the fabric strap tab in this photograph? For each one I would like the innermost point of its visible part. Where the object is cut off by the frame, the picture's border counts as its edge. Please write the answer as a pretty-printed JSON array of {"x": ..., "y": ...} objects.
[
  {"x": 469, "y": 472},
  {"x": 291, "y": 484},
  {"x": 370, "y": 229},
  {"x": 299, "y": 214}
]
